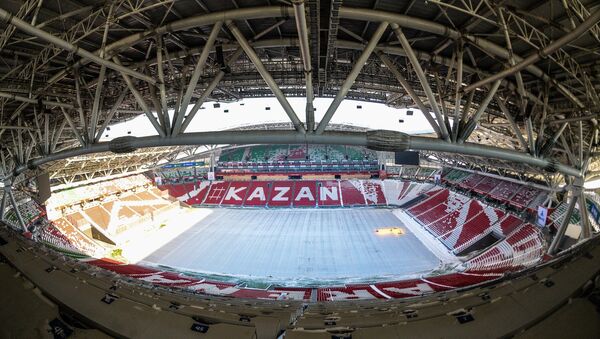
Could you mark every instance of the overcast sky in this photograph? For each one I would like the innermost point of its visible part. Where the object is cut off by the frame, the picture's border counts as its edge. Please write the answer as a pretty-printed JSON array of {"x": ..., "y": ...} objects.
[{"x": 252, "y": 112}]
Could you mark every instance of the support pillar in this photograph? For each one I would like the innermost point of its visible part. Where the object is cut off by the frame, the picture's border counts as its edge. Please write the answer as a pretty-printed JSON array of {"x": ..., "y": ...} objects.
[
  {"x": 8, "y": 190},
  {"x": 586, "y": 227},
  {"x": 369, "y": 48},
  {"x": 558, "y": 238},
  {"x": 3, "y": 205}
]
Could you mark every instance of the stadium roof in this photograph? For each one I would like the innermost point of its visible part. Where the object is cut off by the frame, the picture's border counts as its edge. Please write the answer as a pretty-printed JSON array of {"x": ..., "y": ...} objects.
[{"x": 525, "y": 70}]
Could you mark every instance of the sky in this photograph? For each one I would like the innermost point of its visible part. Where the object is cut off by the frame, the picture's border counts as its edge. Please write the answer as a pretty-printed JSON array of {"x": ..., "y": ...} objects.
[{"x": 252, "y": 112}]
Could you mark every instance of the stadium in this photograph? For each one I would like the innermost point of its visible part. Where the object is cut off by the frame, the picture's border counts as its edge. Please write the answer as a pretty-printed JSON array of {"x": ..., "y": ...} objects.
[{"x": 441, "y": 181}]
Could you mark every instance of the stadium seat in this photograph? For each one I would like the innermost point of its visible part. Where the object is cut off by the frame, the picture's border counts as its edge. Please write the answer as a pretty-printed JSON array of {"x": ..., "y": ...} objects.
[
  {"x": 282, "y": 194},
  {"x": 216, "y": 193},
  {"x": 329, "y": 193},
  {"x": 305, "y": 194},
  {"x": 351, "y": 193},
  {"x": 235, "y": 194}
]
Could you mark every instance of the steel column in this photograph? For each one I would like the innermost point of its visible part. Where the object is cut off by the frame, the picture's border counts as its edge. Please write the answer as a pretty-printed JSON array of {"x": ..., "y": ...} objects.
[
  {"x": 140, "y": 100},
  {"x": 110, "y": 114},
  {"x": 472, "y": 123},
  {"x": 410, "y": 91},
  {"x": 558, "y": 238},
  {"x": 73, "y": 128},
  {"x": 56, "y": 137},
  {"x": 196, "y": 76},
  {"x": 211, "y": 87},
  {"x": 457, "y": 92},
  {"x": 3, "y": 204},
  {"x": 96, "y": 104},
  {"x": 11, "y": 196},
  {"x": 266, "y": 76},
  {"x": 586, "y": 227},
  {"x": 410, "y": 53},
  {"x": 512, "y": 123},
  {"x": 358, "y": 65},
  {"x": 166, "y": 121},
  {"x": 301, "y": 27}
]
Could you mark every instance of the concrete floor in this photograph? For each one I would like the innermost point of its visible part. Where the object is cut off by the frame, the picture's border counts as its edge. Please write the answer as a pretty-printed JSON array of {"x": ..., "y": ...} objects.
[{"x": 293, "y": 245}]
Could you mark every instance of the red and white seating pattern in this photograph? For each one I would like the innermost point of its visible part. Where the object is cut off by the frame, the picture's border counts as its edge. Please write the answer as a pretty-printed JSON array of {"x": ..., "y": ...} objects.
[
  {"x": 526, "y": 196},
  {"x": 305, "y": 191},
  {"x": 486, "y": 185},
  {"x": 55, "y": 238},
  {"x": 471, "y": 181},
  {"x": 282, "y": 194},
  {"x": 75, "y": 238},
  {"x": 258, "y": 194},
  {"x": 351, "y": 193},
  {"x": 404, "y": 288},
  {"x": 459, "y": 221},
  {"x": 399, "y": 192},
  {"x": 372, "y": 190},
  {"x": 474, "y": 229},
  {"x": 518, "y": 195},
  {"x": 216, "y": 193},
  {"x": 507, "y": 225},
  {"x": 504, "y": 190},
  {"x": 298, "y": 193},
  {"x": 435, "y": 196},
  {"x": 171, "y": 279},
  {"x": 524, "y": 247}
]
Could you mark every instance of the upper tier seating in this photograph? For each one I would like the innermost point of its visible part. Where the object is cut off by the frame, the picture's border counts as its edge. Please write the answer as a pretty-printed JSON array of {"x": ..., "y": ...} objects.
[
  {"x": 259, "y": 153},
  {"x": 232, "y": 155},
  {"x": 97, "y": 190},
  {"x": 525, "y": 196},
  {"x": 455, "y": 176},
  {"x": 426, "y": 173},
  {"x": 471, "y": 181},
  {"x": 518, "y": 195},
  {"x": 409, "y": 172},
  {"x": 297, "y": 152},
  {"x": 504, "y": 191},
  {"x": 277, "y": 153},
  {"x": 336, "y": 153},
  {"x": 486, "y": 185}
]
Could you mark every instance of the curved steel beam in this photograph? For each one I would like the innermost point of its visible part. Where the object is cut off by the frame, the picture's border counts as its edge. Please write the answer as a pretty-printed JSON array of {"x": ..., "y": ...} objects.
[{"x": 377, "y": 140}]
